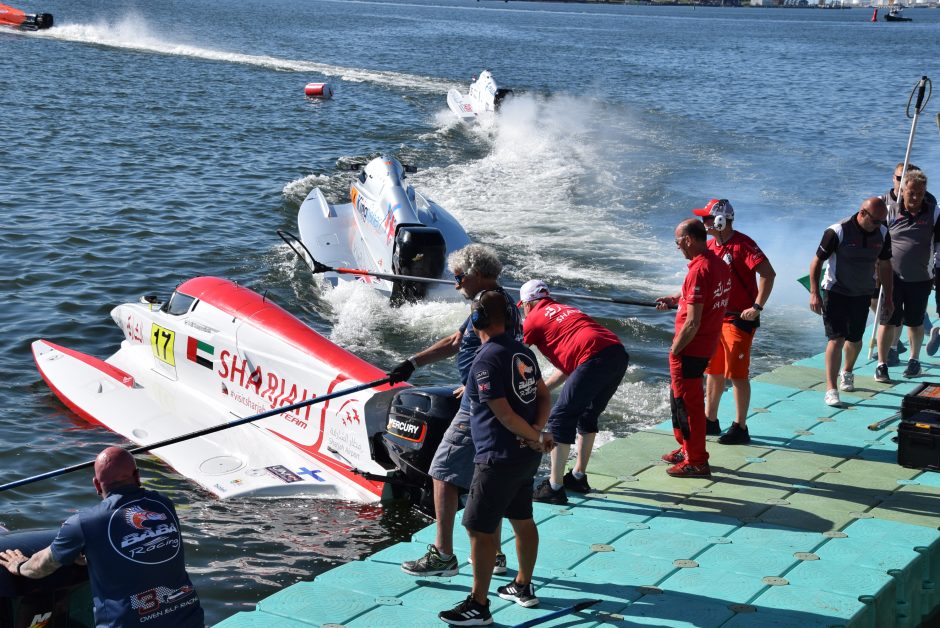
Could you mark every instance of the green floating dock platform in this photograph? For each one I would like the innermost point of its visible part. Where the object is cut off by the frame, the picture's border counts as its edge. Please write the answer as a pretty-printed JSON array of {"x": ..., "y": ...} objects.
[{"x": 811, "y": 524}]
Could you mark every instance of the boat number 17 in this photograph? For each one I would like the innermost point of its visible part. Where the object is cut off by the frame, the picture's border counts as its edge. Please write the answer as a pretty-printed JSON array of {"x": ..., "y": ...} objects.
[{"x": 161, "y": 341}]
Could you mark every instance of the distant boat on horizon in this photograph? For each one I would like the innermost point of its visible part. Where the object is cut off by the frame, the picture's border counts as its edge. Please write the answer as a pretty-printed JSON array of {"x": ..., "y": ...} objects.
[{"x": 896, "y": 14}]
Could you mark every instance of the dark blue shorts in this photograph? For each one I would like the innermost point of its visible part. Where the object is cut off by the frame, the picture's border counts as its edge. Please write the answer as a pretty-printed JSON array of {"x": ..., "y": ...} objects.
[
  {"x": 501, "y": 489},
  {"x": 586, "y": 393}
]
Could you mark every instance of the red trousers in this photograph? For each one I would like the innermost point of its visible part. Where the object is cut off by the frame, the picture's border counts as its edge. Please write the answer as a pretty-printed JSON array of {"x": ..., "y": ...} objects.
[{"x": 687, "y": 400}]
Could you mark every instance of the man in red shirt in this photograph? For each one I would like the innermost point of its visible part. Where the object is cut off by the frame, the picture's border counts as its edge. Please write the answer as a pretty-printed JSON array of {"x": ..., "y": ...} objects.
[
  {"x": 732, "y": 358},
  {"x": 702, "y": 304},
  {"x": 591, "y": 361}
]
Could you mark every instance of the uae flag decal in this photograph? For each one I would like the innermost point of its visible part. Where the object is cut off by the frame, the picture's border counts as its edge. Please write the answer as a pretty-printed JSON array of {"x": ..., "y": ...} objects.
[{"x": 199, "y": 352}]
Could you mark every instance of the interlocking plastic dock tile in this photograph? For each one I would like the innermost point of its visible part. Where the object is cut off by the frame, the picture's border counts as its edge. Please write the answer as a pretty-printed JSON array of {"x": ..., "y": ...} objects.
[
  {"x": 314, "y": 603},
  {"x": 395, "y": 616},
  {"x": 626, "y": 569},
  {"x": 778, "y": 537},
  {"x": 257, "y": 619},
  {"x": 794, "y": 376},
  {"x": 850, "y": 580},
  {"x": 677, "y": 610},
  {"x": 840, "y": 610},
  {"x": 367, "y": 578}
]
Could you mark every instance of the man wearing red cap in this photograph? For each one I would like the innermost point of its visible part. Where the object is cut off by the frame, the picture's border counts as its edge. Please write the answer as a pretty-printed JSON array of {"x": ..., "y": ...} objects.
[
  {"x": 701, "y": 303},
  {"x": 732, "y": 358},
  {"x": 591, "y": 361}
]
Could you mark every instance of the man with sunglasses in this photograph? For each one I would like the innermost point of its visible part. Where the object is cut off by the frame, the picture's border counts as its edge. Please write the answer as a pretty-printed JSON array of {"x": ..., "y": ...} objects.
[
  {"x": 701, "y": 310},
  {"x": 752, "y": 279},
  {"x": 476, "y": 269},
  {"x": 915, "y": 230},
  {"x": 856, "y": 248}
]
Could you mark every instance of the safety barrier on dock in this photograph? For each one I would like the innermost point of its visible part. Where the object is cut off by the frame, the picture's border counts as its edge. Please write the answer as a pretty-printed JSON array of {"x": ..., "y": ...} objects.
[{"x": 811, "y": 524}]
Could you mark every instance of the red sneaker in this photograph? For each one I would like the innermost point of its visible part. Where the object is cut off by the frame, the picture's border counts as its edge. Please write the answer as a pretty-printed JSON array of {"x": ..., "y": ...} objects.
[
  {"x": 674, "y": 457},
  {"x": 686, "y": 470}
]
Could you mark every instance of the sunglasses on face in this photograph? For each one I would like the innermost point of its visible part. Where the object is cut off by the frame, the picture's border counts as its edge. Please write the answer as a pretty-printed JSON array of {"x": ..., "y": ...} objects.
[{"x": 459, "y": 277}]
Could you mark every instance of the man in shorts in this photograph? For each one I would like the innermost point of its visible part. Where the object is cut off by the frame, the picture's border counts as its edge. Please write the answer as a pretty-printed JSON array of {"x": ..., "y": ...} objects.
[
  {"x": 752, "y": 279},
  {"x": 855, "y": 249},
  {"x": 914, "y": 226},
  {"x": 476, "y": 268},
  {"x": 891, "y": 198},
  {"x": 701, "y": 309},
  {"x": 509, "y": 403},
  {"x": 591, "y": 361}
]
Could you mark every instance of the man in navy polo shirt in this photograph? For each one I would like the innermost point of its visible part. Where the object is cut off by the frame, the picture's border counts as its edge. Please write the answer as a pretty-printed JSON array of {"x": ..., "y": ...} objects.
[
  {"x": 133, "y": 547},
  {"x": 509, "y": 404}
]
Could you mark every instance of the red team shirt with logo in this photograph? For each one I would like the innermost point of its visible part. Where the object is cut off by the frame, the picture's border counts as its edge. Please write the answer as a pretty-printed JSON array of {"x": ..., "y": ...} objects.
[
  {"x": 565, "y": 335},
  {"x": 708, "y": 283},
  {"x": 742, "y": 255}
]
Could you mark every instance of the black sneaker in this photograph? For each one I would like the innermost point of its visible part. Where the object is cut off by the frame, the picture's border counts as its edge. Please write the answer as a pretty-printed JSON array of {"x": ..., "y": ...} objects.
[
  {"x": 913, "y": 368},
  {"x": 881, "y": 374},
  {"x": 431, "y": 564},
  {"x": 544, "y": 493},
  {"x": 521, "y": 594},
  {"x": 712, "y": 428},
  {"x": 468, "y": 613},
  {"x": 576, "y": 485},
  {"x": 736, "y": 435}
]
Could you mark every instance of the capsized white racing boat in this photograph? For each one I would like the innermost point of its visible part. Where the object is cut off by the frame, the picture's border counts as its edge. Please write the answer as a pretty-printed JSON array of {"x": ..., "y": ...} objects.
[
  {"x": 387, "y": 228},
  {"x": 215, "y": 352},
  {"x": 483, "y": 98}
]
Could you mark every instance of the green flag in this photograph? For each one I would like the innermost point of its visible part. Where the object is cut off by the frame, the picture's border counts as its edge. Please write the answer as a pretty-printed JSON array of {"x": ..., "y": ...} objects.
[{"x": 804, "y": 281}]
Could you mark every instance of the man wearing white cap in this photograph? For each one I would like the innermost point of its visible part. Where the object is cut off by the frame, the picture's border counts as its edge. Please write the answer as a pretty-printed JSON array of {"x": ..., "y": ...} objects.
[
  {"x": 752, "y": 279},
  {"x": 591, "y": 361}
]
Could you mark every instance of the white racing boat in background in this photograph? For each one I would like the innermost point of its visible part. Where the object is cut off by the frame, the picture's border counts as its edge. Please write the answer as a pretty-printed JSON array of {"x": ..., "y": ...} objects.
[
  {"x": 215, "y": 352},
  {"x": 483, "y": 98},
  {"x": 387, "y": 228}
]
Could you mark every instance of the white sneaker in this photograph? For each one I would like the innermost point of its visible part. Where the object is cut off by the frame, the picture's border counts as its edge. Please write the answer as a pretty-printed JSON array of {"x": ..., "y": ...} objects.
[
  {"x": 847, "y": 381},
  {"x": 832, "y": 397}
]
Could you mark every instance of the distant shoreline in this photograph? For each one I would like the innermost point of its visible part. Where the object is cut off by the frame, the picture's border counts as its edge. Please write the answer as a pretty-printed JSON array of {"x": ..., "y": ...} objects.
[{"x": 787, "y": 4}]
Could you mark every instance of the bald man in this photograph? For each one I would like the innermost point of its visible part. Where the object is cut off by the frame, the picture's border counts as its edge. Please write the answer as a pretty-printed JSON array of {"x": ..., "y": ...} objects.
[
  {"x": 856, "y": 249},
  {"x": 133, "y": 547}
]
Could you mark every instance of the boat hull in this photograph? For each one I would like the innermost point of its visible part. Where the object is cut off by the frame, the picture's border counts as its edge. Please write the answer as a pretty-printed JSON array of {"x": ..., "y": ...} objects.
[{"x": 232, "y": 354}]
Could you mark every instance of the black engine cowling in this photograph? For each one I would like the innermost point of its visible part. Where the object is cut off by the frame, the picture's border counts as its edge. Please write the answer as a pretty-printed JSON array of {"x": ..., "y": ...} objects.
[
  {"x": 37, "y": 22},
  {"x": 417, "y": 420},
  {"x": 501, "y": 95},
  {"x": 419, "y": 251}
]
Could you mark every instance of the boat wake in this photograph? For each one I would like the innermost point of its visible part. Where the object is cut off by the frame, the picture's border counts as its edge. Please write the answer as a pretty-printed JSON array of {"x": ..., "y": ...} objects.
[
  {"x": 557, "y": 192},
  {"x": 133, "y": 33}
]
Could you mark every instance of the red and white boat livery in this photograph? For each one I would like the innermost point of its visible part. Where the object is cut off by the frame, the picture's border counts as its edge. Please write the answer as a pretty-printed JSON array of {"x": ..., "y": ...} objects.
[{"x": 215, "y": 352}]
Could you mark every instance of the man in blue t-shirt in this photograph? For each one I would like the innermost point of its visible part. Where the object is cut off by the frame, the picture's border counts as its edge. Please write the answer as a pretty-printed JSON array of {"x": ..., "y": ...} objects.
[
  {"x": 134, "y": 551},
  {"x": 509, "y": 406},
  {"x": 476, "y": 268}
]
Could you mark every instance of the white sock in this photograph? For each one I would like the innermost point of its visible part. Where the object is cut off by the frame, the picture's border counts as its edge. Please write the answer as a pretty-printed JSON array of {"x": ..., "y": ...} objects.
[
  {"x": 555, "y": 487},
  {"x": 577, "y": 474}
]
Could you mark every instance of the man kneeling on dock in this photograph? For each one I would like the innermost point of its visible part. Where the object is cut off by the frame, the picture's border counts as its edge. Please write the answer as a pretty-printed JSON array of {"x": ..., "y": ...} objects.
[
  {"x": 133, "y": 547},
  {"x": 510, "y": 405}
]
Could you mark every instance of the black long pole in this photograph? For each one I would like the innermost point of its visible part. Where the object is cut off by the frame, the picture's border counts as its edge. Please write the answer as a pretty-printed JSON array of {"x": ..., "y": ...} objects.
[{"x": 319, "y": 267}]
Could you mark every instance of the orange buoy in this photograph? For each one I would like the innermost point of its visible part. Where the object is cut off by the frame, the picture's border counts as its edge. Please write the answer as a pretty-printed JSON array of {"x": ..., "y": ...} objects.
[{"x": 318, "y": 90}]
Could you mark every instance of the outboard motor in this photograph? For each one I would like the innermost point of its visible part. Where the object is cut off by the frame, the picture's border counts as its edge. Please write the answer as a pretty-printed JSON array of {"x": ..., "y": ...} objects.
[
  {"x": 500, "y": 95},
  {"x": 417, "y": 420},
  {"x": 420, "y": 252},
  {"x": 62, "y": 598},
  {"x": 37, "y": 22}
]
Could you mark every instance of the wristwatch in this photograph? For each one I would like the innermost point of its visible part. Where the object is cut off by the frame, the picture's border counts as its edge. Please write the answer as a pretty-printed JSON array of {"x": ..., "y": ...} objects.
[{"x": 19, "y": 567}]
